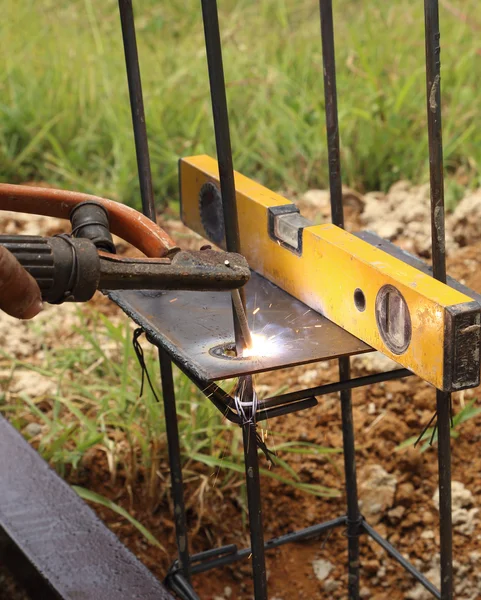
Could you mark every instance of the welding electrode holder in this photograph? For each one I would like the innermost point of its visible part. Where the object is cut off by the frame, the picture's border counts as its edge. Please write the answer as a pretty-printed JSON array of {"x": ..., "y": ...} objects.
[
  {"x": 69, "y": 268},
  {"x": 66, "y": 269}
]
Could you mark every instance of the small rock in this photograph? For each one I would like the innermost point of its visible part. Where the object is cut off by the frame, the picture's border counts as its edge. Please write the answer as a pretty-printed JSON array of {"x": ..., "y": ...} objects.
[
  {"x": 309, "y": 377},
  {"x": 465, "y": 221},
  {"x": 381, "y": 572},
  {"x": 374, "y": 362},
  {"x": 331, "y": 586},
  {"x": 33, "y": 384},
  {"x": 227, "y": 591},
  {"x": 365, "y": 592},
  {"x": 427, "y": 535},
  {"x": 412, "y": 519},
  {"x": 396, "y": 514},
  {"x": 404, "y": 494},
  {"x": 464, "y": 520},
  {"x": 427, "y": 518},
  {"x": 371, "y": 408},
  {"x": 461, "y": 496},
  {"x": 376, "y": 492},
  {"x": 370, "y": 566},
  {"x": 322, "y": 568},
  {"x": 464, "y": 514},
  {"x": 32, "y": 430}
]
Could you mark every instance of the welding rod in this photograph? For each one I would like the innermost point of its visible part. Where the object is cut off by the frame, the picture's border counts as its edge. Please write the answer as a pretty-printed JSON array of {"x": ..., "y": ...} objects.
[{"x": 242, "y": 317}]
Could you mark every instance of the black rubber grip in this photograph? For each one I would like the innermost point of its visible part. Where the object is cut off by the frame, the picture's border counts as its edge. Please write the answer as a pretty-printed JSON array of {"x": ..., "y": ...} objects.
[{"x": 65, "y": 269}]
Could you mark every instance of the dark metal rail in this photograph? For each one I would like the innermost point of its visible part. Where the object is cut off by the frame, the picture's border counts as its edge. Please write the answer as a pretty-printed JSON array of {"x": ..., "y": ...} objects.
[
  {"x": 221, "y": 123},
  {"x": 47, "y": 530},
  {"x": 137, "y": 108},
  {"x": 438, "y": 244},
  {"x": 337, "y": 217}
]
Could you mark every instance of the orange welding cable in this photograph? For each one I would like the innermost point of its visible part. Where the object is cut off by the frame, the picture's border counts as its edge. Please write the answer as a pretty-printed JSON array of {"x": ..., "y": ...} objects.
[{"x": 129, "y": 224}]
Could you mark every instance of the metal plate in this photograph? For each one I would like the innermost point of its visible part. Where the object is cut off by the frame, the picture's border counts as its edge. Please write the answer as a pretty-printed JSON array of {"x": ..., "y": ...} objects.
[{"x": 190, "y": 324}]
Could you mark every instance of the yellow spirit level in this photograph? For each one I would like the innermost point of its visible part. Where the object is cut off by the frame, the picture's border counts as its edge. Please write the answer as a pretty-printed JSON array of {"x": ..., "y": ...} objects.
[{"x": 423, "y": 324}]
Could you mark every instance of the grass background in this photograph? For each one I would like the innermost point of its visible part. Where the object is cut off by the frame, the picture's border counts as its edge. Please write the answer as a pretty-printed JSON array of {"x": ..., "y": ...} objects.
[{"x": 64, "y": 111}]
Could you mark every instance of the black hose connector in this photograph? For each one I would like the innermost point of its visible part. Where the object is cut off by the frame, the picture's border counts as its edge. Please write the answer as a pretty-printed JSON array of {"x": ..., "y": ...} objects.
[{"x": 90, "y": 220}]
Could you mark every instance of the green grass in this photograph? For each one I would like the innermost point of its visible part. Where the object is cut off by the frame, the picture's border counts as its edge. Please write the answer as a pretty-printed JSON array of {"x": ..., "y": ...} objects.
[
  {"x": 430, "y": 436},
  {"x": 96, "y": 405},
  {"x": 64, "y": 112}
]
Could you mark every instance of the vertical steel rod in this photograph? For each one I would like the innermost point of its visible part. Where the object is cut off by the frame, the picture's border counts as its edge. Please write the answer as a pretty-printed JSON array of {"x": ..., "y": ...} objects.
[
  {"x": 433, "y": 95},
  {"x": 227, "y": 186},
  {"x": 221, "y": 123},
  {"x": 137, "y": 108},
  {"x": 251, "y": 460},
  {"x": 172, "y": 429},
  {"x": 443, "y": 407},
  {"x": 332, "y": 124},
  {"x": 222, "y": 139},
  {"x": 354, "y": 518},
  {"x": 443, "y": 400},
  {"x": 337, "y": 216}
]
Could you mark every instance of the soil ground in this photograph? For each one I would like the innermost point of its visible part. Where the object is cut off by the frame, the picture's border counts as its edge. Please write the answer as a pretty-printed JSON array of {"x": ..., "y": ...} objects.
[{"x": 397, "y": 488}]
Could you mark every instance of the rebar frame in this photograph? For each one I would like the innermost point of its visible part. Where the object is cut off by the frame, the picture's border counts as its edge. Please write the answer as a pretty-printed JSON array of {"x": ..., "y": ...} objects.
[{"x": 180, "y": 573}]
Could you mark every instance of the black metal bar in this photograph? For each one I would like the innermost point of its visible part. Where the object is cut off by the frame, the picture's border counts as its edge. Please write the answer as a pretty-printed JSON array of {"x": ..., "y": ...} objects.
[
  {"x": 286, "y": 409},
  {"x": 337, "y": 217},
  {"x": 221, "y": 123},
  {"x": 443, "y": 407},
  {"x": 214, "y": 553},
  {"x": 330, "y": 388},
  {"x": 253, "y": 485},
  {"x": 353, "y": 513},
  {"x": 137, "y": 108},
  {"x": 58, "y": 537},
  {"x": 443, "y": 400},
  {"x": 433, "y": 95},
  {"x": 306, "y": 533},
  {"x": 398, "y": 557},
  {"x": 202, "y": 563},
  {"x": 223, "y": 145},
  {"x": 172, "y": 430},
  {"x": 332, "y": 124}
]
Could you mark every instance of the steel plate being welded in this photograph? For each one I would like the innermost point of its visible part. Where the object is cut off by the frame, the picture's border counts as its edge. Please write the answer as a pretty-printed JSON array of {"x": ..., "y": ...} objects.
[{"x": 195, "y": 328}]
